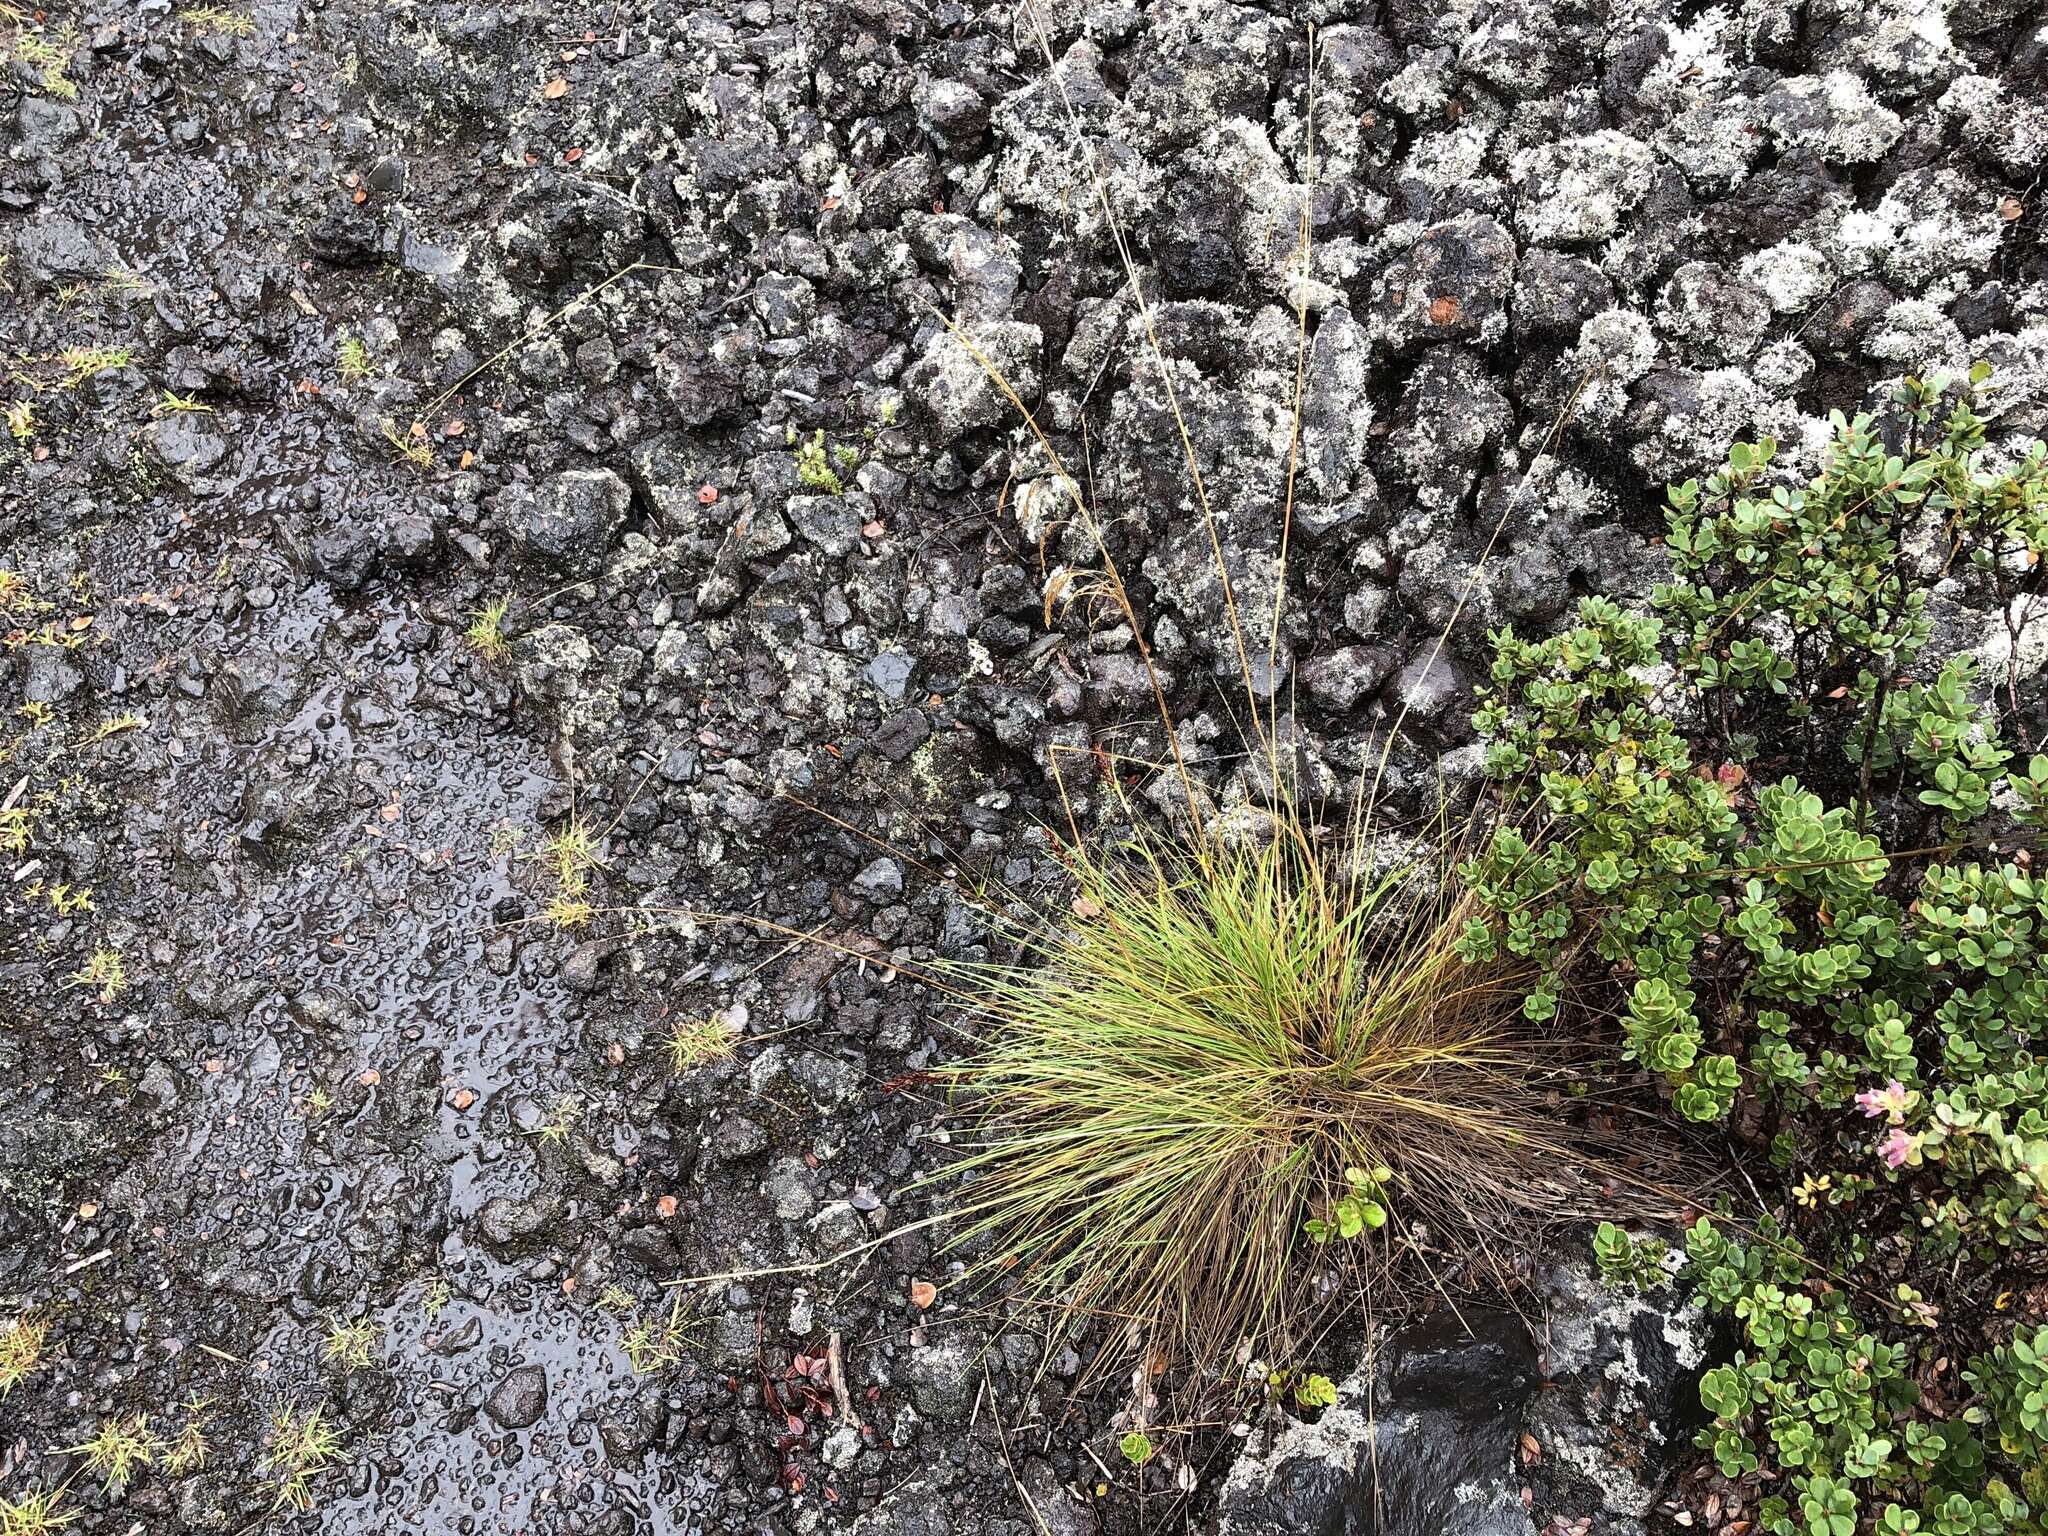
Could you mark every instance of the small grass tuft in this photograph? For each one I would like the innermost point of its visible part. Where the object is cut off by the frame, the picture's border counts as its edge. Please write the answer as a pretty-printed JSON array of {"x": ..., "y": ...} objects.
[
  {"x": 486, "y": 632},
  {"x": 350, "y": 1344},
  {"x": 48, "y": 59},
  {"x": 655, "y": 1345},
  {"x": 560, "y": 1121},
  {"x": 411, "y": 448},
  {"x": 106, "y": 973},
  {"x": 120, "y": 1448},
  {"x": 15, "y": 826},
  {"x": 175, "y": 404},
  {"x": 566, "y": 912},
  {"x": 352, "y": 359},
  {"x": 218, "y": 20},
  {"x": 570, "y": 854},
  {"x": 21, "y": 420},
  {"x": 34, "y": 1514},
  {"x": 82, "y": 363},
  {"x": 302, "y": 1446},
  {"x": 21, "y": 1350},
  {"x": 188, "y": 1452},
  {"x": 694, "y": 1043}
]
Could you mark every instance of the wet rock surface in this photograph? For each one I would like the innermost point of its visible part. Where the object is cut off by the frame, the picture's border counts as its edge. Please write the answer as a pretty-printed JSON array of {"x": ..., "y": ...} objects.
[
  {"x": 1485, "y": 1423},
  {"x": 526, "y": 311}
]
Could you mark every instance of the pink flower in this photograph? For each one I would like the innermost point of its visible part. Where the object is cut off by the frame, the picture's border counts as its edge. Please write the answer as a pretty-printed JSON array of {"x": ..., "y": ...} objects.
[
  {"x": 1899, "y": 1148},
  {"x": 1889, "y": 1101}
]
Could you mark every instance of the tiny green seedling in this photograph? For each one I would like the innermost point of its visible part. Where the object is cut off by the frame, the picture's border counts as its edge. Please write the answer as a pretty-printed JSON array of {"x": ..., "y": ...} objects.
[
  {"x": 174, "y": 404},
  {"x": 21, "y": 420},
  {"x": 1361, "y": 1208},
  {"x": 1136, "y": 1447}
]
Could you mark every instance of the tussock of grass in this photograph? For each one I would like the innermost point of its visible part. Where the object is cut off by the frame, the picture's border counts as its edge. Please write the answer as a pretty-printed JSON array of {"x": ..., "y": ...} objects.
[{"x": 1175, "y": 1084}]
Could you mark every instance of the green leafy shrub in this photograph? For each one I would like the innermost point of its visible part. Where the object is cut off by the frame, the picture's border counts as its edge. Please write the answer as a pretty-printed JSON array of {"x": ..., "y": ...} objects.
[{"x": 1857, "y": 960}]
